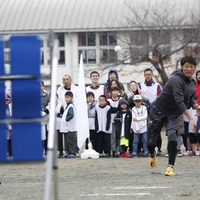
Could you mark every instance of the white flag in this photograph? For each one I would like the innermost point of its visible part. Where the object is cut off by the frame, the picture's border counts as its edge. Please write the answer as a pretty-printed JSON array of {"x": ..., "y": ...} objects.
[{"x": 82, "y": 125}]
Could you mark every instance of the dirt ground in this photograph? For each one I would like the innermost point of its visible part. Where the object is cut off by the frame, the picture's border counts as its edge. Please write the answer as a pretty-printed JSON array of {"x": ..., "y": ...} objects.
[{"x": 104, "y": 178}]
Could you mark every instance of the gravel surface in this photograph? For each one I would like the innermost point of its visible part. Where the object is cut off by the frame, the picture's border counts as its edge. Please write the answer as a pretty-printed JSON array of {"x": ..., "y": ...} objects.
[{"x": 104, "y": 178}]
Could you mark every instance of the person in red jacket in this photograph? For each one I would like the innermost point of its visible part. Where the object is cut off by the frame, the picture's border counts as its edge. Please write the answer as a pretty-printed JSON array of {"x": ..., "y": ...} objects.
[{"x": 198, "y": 95}]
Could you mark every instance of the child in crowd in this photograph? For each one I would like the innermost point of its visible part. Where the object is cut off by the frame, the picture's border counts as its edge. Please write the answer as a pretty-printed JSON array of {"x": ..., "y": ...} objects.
[
  {"x": 68, "y": 125},
  {"x": 59, "y": 113},
  {"x": 9, "y": 127},
  {"x": 102, "y": 126},
  {"x": 139, "y": 125},
  {"x": 194, "y": 136},
  {"x": 114, "y": 101},
  {"x": 44, "y": 128},
  {"x": 91, "y": 103},
  {"x": 123, "y": 120}
]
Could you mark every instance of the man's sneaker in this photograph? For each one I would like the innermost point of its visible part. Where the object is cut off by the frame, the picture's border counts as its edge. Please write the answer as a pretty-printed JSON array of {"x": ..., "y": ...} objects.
[
  {"x": 71, "y": 156},
  {"x": 107, "y": 155},
  {"x": 134, "y": 154},
  {"x": 61, "y": 155},
  {"x": 115, "y": 154},
  {"x": 159, "y": 153},
  {"x": 179, "y": 154},
  {"x": 197, "y": 153},
  {"x": 153, "y": 161},
  {"x": 101, "y": 155},
  {"x": 146, "y": 153},
  {"x": 169, "y": 171}
]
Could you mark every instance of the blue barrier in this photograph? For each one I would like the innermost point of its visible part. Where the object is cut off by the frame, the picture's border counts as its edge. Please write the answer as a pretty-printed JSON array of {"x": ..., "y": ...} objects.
[{"x": 26, "y": 100}]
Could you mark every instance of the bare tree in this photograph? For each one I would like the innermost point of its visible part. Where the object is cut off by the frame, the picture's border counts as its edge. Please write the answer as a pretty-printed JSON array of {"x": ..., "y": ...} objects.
[{"x": 161, "y": 30}]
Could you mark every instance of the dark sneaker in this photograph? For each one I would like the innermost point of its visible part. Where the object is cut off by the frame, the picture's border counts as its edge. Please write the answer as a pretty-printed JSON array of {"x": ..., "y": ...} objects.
[
  {"x": 179, "y": 154},
  {"x": 71, "y": 156}
]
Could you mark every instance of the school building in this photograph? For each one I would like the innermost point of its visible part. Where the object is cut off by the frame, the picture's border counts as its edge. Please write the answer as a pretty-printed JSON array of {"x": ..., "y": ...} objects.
[{"x": 94, "y": 28}]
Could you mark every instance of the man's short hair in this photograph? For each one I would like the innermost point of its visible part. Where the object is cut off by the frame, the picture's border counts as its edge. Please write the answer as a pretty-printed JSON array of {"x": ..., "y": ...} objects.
[
  {"x": 69, "y": 93},
  {"x": 90, "y": 94},
  {"x": 188, "y": 59},
  {"x": 94, "y": 72},
  {"x": 148, "y": 69},
  {"x": 67, "y": 76}
]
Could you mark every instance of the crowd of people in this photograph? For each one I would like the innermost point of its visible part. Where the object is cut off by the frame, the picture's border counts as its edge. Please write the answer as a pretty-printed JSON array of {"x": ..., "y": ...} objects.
[{"x": 128, "y": 124}]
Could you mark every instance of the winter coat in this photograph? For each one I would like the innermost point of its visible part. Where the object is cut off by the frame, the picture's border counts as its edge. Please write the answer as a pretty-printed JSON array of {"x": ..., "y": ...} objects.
[
  {"x": 117, "y": 76},
  {"x": 127, "y": 120},
  {"x": 177, "y": 95}
]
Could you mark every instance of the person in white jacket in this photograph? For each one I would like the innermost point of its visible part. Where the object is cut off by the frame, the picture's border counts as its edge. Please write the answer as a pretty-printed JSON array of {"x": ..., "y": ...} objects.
[{"x": 139, "y": 125}]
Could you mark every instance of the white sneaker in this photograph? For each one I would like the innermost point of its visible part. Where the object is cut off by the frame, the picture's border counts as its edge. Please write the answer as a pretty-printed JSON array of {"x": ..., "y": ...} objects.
[
  {"x": 187, "y": 153},
  {"x": 197, "y": 153}
]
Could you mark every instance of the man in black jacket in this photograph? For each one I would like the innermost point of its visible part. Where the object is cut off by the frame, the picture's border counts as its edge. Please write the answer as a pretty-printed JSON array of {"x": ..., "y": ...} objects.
[{"x": 174, "y": 100}]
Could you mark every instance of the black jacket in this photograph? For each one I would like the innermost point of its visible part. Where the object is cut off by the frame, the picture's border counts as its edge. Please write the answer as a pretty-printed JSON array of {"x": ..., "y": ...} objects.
[
  {"x": 127, "y": 119},
  {"x": 127, "y": 123},
  {"x": 177, "y": 95}
]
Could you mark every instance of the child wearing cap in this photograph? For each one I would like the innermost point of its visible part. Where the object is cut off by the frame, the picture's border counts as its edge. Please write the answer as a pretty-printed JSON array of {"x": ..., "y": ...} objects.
[
  {"x": 139, "y": 125},
  {"x": 123, "y": 120}
]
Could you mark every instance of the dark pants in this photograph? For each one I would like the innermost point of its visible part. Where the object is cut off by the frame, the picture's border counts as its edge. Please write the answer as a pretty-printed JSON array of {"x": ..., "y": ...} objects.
[
  {"x": 198, "y": 125},
  {"x": 155, "y": 123},
  {"x": 130, "y": 142},
  {"x": 46, "y": 140},
  {"x": 9, "y": 145},
  {"x": 70, "y": 142},
  {"x": 104, "y": 142},
  {"x": 93, "y": 140},
  {"x": 60, "y": 141}
]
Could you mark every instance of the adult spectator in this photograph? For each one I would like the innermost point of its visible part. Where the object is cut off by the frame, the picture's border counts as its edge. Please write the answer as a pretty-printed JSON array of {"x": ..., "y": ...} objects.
[
  {"x": 151, "y": 89},
  {"x": 95, "y": 87},
  {"x": 113, "y": 75},
  {"x": 44, "y": 96},
  {"x": 66, "y": 86},
  {"x": 116, "y": 83},
  {"x": 198, "y": 95}
]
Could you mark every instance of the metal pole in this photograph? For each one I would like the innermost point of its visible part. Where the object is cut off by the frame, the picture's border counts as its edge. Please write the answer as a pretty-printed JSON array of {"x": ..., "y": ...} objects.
[{"x": 51, "y": 163}]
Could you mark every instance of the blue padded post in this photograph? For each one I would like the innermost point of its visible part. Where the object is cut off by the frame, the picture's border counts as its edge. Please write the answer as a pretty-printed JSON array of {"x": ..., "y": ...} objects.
[
  {"x": 3, "y": 143},
  {"x": 26, "y": 100}
]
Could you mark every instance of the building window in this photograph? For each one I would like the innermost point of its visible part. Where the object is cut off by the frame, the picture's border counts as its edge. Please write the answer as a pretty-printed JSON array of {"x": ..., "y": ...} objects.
[
  {"x": 42, "y": 57},
  {"x": 191, "y": 35},
  {"x": 61, "y": 39},
  {"x": 107, "y": 41},
  {"x": 86, "y": 39},
  {"x": 89, "y": 56},
  {"x": 108, "y": 56},
  {"x": 61, "y": 60},
  {"x": 160, "y": 37},
  {"x": 139, "y": 38},
  {"x": 108, "y": 38}
]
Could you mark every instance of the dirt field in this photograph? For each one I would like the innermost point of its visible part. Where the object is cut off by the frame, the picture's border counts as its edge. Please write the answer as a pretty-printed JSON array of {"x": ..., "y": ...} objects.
[{"x": 105, "y": 178}]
